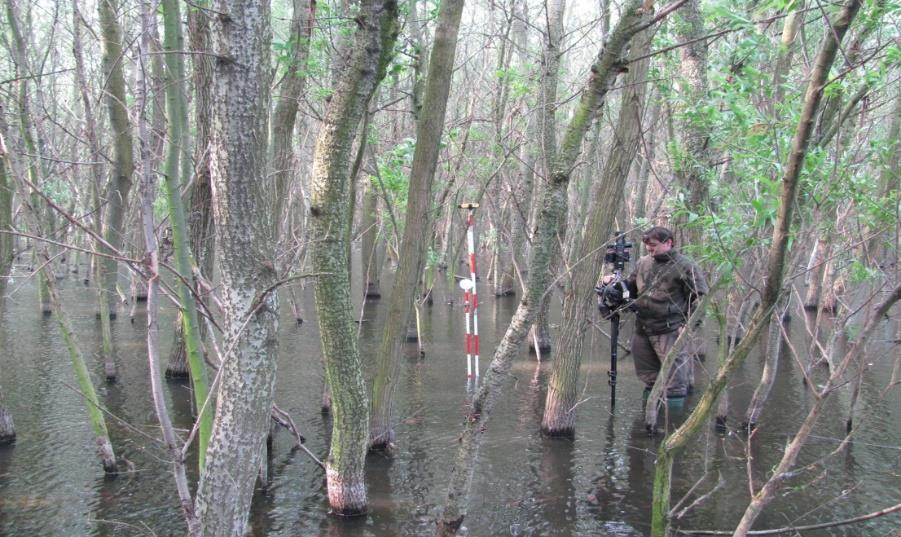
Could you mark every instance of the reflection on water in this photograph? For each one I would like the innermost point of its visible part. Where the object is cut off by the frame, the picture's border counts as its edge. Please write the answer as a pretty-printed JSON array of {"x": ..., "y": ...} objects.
[{"x": 598, "y": 483}]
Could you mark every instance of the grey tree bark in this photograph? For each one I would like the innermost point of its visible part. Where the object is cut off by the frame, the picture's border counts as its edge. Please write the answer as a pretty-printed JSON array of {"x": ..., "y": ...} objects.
[
  {"x": 240, "y": 90},
  {"x": 374, "y": 44},
  {"x": 429, "y": 128}
]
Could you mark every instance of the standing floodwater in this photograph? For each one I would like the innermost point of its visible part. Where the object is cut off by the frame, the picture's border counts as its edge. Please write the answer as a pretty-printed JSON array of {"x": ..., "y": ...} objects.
[{"x": 598, "y": 484}]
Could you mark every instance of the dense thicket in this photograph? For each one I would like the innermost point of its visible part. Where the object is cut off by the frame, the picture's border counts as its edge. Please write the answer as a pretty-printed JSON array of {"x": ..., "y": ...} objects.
[{"x": 305, "y": 138}]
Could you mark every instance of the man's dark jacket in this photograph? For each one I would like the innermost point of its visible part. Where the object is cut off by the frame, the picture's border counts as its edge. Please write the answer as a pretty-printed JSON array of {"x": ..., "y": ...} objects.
[{"x": 665, "y": 286}]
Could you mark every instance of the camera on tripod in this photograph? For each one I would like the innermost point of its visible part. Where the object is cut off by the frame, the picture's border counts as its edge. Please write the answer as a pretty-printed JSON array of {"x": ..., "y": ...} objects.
[{"x": 615, "y": 295}]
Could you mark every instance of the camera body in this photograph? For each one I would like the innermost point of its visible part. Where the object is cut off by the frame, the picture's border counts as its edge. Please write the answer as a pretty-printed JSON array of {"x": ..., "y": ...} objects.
[
  {"x": 615, "y": 295},
  {"x": 618, "y": 253}
]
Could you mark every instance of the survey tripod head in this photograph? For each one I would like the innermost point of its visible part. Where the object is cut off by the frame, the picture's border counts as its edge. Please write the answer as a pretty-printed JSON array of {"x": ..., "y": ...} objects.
[{"x": 613, "y": 297}]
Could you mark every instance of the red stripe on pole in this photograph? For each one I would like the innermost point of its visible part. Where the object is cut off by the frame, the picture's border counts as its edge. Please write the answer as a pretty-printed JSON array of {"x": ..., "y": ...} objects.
[
  {"x": 475, "y": 301},
  {"x": 476, "y": 344},
  {"x": 468, "y": 343}
]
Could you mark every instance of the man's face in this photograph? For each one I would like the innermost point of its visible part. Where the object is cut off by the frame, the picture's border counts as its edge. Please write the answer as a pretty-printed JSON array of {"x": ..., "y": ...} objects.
[{"x": 656, "y": 247}]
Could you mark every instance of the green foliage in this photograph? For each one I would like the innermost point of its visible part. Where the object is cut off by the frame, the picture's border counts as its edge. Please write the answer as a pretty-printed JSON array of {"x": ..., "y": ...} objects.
[
  {"x": 58, "y": 191},
  {"x": 394, "y": 172},
  {"x": 859, "y": 272},
  {"x": 518, "y": 79}
]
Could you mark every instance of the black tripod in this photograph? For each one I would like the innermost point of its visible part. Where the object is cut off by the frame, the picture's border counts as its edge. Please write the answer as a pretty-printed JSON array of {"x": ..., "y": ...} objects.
[{"x": 612, "y": 298}]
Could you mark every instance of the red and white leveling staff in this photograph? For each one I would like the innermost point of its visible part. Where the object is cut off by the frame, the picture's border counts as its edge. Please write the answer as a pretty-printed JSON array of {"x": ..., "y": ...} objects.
[{"x": 470, "y": 298}]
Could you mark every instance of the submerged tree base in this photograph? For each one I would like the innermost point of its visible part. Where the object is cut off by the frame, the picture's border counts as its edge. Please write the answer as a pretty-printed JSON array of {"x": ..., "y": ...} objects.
[{"x": 7, "y": 428}]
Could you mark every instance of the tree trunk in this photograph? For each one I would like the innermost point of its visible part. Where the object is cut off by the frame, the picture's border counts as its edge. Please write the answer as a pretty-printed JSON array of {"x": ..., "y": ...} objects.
[
  {"x": 7, "y": 427},
  {"x": 237, "y": 154},
  {"x": 522, "y": 186},
  {"x": 121, "y": 180},
  {"x": 370, "y": 260},
  {"x": 541, "y": 331},
  {"x": 774, "y": 273},
  {"x": 6, "y": 220},
  {"x": 285, "y": 115},
  {"x": 176, "y": 105},
  {"x": 90, "y": 128},
  {"x": 603, "y": 73},
  {"x": 412, "y": 251},
  {"x": 578, "y": 300},
  {"x": 374, "y": 44},
  {"x": 694, "y": 158},
  {"x": 148, "y": 193},
  {"x": 200, "y": 214}
]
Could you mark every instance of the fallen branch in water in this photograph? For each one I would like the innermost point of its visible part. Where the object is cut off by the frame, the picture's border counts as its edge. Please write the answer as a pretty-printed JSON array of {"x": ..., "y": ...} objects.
[{"x": 776, "y": 531}]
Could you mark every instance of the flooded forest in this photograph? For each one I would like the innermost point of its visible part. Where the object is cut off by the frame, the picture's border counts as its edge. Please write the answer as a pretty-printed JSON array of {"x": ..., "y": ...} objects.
[{"x": 436, "y": 267}]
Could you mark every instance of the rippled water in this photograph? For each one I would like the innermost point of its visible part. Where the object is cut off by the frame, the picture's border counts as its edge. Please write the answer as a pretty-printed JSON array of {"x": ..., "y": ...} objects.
[{"x": 597, "y": 484}]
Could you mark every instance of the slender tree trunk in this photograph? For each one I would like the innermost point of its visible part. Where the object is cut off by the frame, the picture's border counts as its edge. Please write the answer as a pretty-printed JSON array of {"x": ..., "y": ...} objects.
[
  {"x": 148, "y": 193},
  {"x": 7, "y": 427},
  {"x": 522, "y": 186},
  {"x": 771, "y": 362},
  {"x": 412, "y": 251},
  {"x": 548, "y": 98},
  {"x": 370, "y": 260},
  {"x": 288, "y": 95},
  {"x": 603, "y": 73},
  {"x": 374, "y": 44},
  {"x": 173, "y": 44},
  {"x": 237, "y": 151},
  {"x": 200, "y": 214},
  {"x": 6, "y": 220},
  {"x": 123, "y": 169},
  {"x": 608, "y": 193},
  {"x": 90, "y": 126},
  {"x": 29, "y": 139},
  {"x": 694, "y": 160},
  {"x": 774, "y": 273}
]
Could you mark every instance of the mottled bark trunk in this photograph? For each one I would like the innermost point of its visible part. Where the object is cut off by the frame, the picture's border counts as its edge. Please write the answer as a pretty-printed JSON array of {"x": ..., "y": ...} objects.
[
  {"x": 774, "y": 272},
  {"x": 603, "y": 73},
  {"x": 419, "y": 199},
  {"x": 588, "y": 259},
  {"x": 329, "y": 206},
  {"x": 237, "y": 164},
  {"x": 29, "y": 139}
]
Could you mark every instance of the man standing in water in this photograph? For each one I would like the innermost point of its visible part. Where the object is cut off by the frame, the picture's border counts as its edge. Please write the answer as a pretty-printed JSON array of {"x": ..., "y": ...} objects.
[{"x": 666, "y": 285}]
